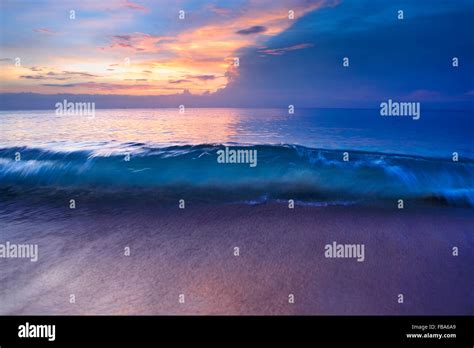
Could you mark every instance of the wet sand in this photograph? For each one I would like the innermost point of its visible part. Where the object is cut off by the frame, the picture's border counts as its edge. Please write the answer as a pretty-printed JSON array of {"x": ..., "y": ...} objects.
[{"x": 191, "y": 252}]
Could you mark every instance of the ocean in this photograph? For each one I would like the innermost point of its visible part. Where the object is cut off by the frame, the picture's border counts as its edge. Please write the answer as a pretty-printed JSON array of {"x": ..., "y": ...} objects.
[
  {"x": 131, "y": 211},
  {"x": 316, "y": 156}
]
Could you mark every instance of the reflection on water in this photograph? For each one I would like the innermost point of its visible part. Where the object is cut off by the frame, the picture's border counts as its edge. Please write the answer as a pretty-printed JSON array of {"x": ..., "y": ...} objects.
[{"x": 366, "y": 130}]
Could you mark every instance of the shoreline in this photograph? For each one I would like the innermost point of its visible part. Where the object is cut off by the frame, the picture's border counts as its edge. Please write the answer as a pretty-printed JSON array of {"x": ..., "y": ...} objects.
[{"x": 281, "y": 252}]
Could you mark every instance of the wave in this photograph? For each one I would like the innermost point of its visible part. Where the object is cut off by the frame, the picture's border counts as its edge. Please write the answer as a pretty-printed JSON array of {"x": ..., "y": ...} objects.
[{"x": 282, "y": 172}]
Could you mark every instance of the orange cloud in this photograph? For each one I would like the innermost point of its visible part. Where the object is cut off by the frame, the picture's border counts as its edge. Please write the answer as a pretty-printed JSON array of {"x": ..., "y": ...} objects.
[
  {"x": 198, "y": 59},
  {"x": 211, "y": 48}
]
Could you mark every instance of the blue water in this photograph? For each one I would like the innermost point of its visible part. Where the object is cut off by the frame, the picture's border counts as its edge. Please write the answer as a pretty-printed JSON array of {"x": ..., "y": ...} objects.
[{"x": 299, "y": 156}]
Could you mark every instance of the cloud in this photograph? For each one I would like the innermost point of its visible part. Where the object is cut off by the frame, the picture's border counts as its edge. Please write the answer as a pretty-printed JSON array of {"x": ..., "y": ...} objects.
[
  {"x": 201, "y": 77},
  {"x": 92, "y": 85},
  {"x": 33, "y": 77},
  {"x": 134, "y": 6},
  {"x": 204, "y": 53},
  {"x": 48, "y": 76},
  {"x": 44, "y": 31},
  {"x": 283, "y": 50},
  {"x": 190, "y": 78},
  {"x": 137, "y": 42},
  {"x": 115, "y": 87},
  {"x": 256, "y": 29},
  {"x": 179, "y": 81},
  {"x": 51, "y": 75},
  {"x": 122, "y": 37},
  {"x": 59, "y": 85},
  {"x": 80, "y": 73},
  {"x": 197, "y": 56}
]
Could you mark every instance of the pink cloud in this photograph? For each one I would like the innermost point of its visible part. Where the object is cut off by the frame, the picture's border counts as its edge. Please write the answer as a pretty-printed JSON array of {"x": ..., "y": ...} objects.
[
  {"x": 134, "y": 6},
  {"x": 44, "y": 31}
]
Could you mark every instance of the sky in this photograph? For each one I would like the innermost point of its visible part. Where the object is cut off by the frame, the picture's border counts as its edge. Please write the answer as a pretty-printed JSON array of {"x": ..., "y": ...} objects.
[{"x": 290, "y": 52}]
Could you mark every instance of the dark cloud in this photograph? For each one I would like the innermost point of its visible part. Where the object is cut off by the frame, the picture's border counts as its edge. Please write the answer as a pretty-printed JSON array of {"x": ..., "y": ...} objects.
[
  {"x": 123, "y": 41},
  {"x": 179, "y": 81},
  {"x": 201, "y": 77},
  {"x": 256, "y": 29},
  {"x": 44, "y": 77},
  {"x": 59, "y": 85},
  {"x": 80, "y": 73},
  {"x": 33, "y": 77},
  {"x": 379, "y": 69},
  {"x": 51, "y": 75},
  {"x": 100, "y": 86},
  {"x": 123, "y": 37}
]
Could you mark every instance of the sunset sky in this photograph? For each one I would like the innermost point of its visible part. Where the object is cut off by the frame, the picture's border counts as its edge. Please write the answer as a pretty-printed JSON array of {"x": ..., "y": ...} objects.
[
  {"x": 166, "y": 54},
  {"x": 298, "y": 58}
]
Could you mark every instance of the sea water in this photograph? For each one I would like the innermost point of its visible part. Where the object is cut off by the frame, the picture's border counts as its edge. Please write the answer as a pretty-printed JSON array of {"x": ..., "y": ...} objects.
[{"x": 311, "y": 155}]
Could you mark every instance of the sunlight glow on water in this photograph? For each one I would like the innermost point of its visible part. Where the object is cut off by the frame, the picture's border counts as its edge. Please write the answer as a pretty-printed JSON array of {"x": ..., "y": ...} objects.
[{"x": 435, "y": 134}]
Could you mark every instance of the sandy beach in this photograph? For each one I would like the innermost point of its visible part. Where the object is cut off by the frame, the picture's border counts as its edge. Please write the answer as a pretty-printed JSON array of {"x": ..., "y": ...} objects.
[{"x": 191, "y": 252}]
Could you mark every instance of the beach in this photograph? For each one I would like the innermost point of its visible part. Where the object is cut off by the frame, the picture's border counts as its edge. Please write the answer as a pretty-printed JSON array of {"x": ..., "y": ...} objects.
[
  {"x": 191, "y": 252},
  {"x": 148, "y": 211}
]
